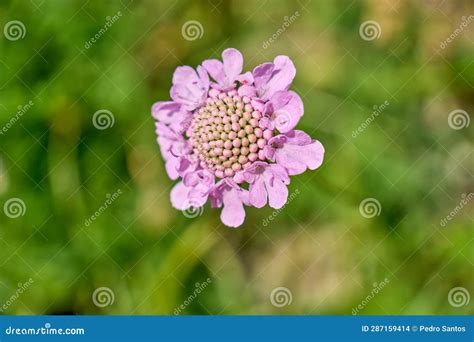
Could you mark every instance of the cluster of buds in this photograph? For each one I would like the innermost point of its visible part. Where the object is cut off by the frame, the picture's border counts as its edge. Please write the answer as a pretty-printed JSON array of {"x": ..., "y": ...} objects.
[{"x": 226, "y": 134}]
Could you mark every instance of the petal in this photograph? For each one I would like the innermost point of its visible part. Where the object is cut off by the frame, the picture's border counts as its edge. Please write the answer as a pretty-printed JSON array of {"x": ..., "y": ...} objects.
[
  {"x": 172, "y": 114},
  {"x": 280, "y": 173},
  {"x": 257, "y": 193},
  {"x": 297, "y": 137},
  {"x": 179, "y": 196},
  {"x": 188, "y": 88},
  {"x": 247, "y": 90},
  {"x": 214, "y": 92},
  {"x": 277, "y": 101},
  {"x": 287, "y": 109},
  {"x": 164, "y": 110},
  {"x": 269, "y": 153},
  {"x": 266, "y": 123},
  {"x": 285, "y": 73},
  {"x": 270, "y": 78},
  {"x": 200, "y": 178},
  {"x": 297, "y": 158},
  {"x": 277, "y": 192},
  {"x": 261, "y": 74},
  {"x": 233, "y": 62},
  {"x": 215, "y": 68},
  {"x": 184, "y": 74},
  {"x": 203, "y": 76},
  {"x": 184, "y": 165},
  {"x": 246, "y": 78},
  {"x": 165, "y": 146},
  {"x": 258, "y": 104},
  {"x": 198, "y": 196},
  {"x": 191, "y": 179},
  {"x": 171, "y": 166},
  {"x": 207, "y": 177},
  {"x": 315, "y": 155},
  {"x": 164, "y": 131},
  {"x": 233, "y": 213},
  {"x": 190, "y": 97},
  {"x": 288, "y": 158},
  {"x": 280, "y": 139}
]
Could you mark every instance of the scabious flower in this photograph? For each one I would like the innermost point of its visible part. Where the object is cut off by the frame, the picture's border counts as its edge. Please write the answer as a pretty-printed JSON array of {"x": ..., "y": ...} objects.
[{"x": 230, "y": 136}]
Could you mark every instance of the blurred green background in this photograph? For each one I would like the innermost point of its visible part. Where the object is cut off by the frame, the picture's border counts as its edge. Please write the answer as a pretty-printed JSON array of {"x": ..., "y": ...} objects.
[{"x": 329, "y": 257}]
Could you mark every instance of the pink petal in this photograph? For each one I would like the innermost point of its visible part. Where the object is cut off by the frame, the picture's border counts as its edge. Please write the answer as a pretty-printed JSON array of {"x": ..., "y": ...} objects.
[
  {"x": 184, "y": 196},
  {"x": 171, "y": 166},
  {"x": 286, "y": 72},
  {"x": 298, "y": 137},
  {"x": 262, "y": 74},
  {"x": 215, "y": 68},
  {"x": 286, "y": 109},
  {"x": 280, "y": 173},
  {"x": 203, "y": 76},
  {"x": 233, "y": 62},
  {"x": 257, "y": 193},
  {"x": 185, "y": 165},
  {"x": 315, "y": 155},
  {"x": 247, "y": 90},
  {"x": 258, "y": 104},
  {"x": 184, "y": 74},
  {"x": 246, "y": 78},
  {"x": 172, "y": 114},
  {"x": 233, "y": 213},
  {"x": 190, "y": 97},
  {"x": 179, "y": 196},
  {"x": 191, "y": 179},
  {"x": 197, "y": 197},
  {"x": 188, "y": 88},
  {"x": 270, "y": 78},
  {"x": 164, "y": 131},
  {"x": 277, "y": 192},
  {"x": 266, "y": 123},
  {"x": 164, "y": 110},
  {"x": 297, "y": 158}
]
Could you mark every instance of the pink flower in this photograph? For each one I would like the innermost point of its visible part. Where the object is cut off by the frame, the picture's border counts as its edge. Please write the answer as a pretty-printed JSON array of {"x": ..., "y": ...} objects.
[{"x": 225, "y": 129}]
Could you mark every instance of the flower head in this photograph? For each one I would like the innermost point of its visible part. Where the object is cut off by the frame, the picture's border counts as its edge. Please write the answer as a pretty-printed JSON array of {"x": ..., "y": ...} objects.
[{"x": 224, "y": 128}]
